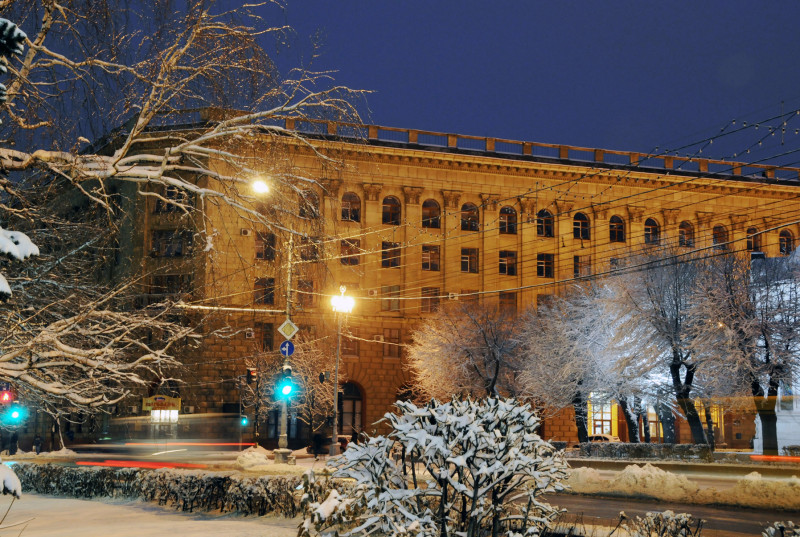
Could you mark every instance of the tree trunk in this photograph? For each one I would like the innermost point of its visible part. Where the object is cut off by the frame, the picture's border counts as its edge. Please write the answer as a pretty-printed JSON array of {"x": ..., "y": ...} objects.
[
  {"x": 631, "y": 420},
  {"x": 581, "y": 416},
  {"x": 667, "y": 419},
  {"x": 646, "y": 427},
  {"x": 693, "y": 418},
  {"x": 765, "y": 407},
  {"x": 709, "y": 426}
]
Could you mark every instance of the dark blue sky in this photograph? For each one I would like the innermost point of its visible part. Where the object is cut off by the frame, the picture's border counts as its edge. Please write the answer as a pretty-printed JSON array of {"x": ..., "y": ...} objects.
[{"x": 626, "y": 75}]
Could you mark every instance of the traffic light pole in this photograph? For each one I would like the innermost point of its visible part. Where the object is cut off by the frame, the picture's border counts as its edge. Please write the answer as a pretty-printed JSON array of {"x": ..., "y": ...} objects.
[
  {"x": 283, "y": 452},
  {"x": 334, "y": 436}
]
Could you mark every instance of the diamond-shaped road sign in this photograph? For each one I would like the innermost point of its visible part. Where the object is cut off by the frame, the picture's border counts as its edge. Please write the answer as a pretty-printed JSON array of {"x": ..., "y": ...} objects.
[{"x": 288, "y": 329}]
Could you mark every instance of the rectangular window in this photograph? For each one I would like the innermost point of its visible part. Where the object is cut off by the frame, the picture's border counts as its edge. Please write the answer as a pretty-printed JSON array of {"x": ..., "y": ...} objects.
[
  {"x": 469, "y": 260},
  {"x": 171, "y": 243},
  {"x": 581, "y": 266},
  {"x": 545, "y": 265},
  {"x": 390, "y": 298},
  {"x": 430, "y": 299},
  {"x": 266, "y": 336},
  {"x": 309, "y": 248},
  {"x": 508, "y": 262},
  {"x": 430, "y": 257},
  {"x": 305, "y": 294},
  {"x": 508, "y": 302},
  {"x": 390, "y": 254},
  {"x": 350, "y": 250},
  {"x": 265, "y": 246},
  {"x": 391, "y": 343},
  {"x": 172, "y": 200},
  {"x": 170, "y": 284},
  {"x": 264, "y": 291},
  {"x": 350, "y": 343}
]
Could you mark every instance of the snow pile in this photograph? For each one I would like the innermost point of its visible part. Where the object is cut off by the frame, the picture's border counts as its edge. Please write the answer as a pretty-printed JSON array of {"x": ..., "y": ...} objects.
[
  {"x": 11, "y": 484},
  {"x": 253, "y": 459},
  {"x": 651, "y": 482}
]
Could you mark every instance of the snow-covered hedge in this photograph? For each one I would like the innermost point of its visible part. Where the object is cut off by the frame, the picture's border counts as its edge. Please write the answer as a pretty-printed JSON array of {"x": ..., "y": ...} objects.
[
  {"x": 187, "y": 490},
  {"x": 622, "y": 450},
  {"x": 459, "y": 468}
]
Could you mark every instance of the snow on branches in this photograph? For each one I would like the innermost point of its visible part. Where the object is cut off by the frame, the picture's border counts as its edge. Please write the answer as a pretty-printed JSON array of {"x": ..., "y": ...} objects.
[{"x": 462, "y": 467}]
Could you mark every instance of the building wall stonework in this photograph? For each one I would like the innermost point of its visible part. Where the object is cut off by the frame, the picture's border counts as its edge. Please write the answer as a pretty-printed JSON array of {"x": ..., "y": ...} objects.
[{"x": 390, "y": 293}]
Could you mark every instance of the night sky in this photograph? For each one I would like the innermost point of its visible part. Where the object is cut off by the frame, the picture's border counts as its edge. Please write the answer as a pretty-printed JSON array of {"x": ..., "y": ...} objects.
[{"x": 639, "y": 76}]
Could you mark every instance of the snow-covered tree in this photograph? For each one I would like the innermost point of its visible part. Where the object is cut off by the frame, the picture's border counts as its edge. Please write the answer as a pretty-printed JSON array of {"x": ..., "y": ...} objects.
[
  {"x": 650, "y": 306},
  {"x": 177, "y": 101},
  {"x": 747, "y": 321},
  {"x": 467, "y": 348},
  {"x": 464, "y": 467}
]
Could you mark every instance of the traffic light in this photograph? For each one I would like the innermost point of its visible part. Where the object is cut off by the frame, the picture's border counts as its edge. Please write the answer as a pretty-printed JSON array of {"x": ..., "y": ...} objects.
[
  {"x": 6, "y": 397},
  {"x": 252, "y": 375},
  {"x": 15, "y": 414},
  {"x": 243, "y": 420},
  {"x": 286, "y": 383}
]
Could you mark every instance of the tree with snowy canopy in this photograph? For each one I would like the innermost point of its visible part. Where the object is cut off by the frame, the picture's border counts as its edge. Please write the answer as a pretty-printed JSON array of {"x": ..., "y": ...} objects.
[
  {"x": 127, "y": 75},
  {"x": 464, "y": 467}
]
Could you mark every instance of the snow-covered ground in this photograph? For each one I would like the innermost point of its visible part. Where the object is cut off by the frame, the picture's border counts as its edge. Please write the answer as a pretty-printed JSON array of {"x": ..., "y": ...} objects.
[
  {"x": 44, "y": 516},
  {"x": 649, "y": 481}
]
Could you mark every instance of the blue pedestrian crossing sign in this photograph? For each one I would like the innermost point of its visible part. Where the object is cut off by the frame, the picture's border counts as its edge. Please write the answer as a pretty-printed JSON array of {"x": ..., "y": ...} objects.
[{"x": 287, "y": 348}]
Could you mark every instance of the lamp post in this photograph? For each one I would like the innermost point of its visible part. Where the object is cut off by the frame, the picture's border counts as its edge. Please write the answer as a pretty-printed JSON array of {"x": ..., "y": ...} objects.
[{"x": 342, "y": 305}]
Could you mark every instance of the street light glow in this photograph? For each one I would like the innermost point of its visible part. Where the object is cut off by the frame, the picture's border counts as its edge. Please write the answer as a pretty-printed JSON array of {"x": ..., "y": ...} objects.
[
  {"x": 342, "y": 303},
  {"x": 260, "y": 186}
]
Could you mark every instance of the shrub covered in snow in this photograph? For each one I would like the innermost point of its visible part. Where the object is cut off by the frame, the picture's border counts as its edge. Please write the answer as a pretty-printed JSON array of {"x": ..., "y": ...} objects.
[
  {"x": 462, "y": 467},
  {"x": 666, "y": 524},
  {"x": 187, "y": 490},
  {"x": 11, "y": 484},
  {"x": 781, "y": 529}
]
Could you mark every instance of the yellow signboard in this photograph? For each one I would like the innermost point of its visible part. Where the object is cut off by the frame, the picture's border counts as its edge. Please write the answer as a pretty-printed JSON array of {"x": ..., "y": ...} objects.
[{"x": 161, "y": 402}]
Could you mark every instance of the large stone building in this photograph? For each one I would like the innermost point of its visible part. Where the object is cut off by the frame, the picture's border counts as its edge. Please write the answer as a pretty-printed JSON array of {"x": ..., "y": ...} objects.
[{"x": 407, "y": 220}]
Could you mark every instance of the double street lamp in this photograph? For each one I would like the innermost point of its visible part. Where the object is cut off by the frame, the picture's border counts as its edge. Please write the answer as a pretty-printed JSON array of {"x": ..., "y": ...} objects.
[{"x": 342, "y": 305}]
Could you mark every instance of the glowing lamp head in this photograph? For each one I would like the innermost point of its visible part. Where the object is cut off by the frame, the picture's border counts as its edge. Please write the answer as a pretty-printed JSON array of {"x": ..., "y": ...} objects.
[
  {"x": 342, "y": 303},
  {"x": 260, "y": 186},
  {"x": 286, "y": 389},
  {"x": 15, "y": 414}
]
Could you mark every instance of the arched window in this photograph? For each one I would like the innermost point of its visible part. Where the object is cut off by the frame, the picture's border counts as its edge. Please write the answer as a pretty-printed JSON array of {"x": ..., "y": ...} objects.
[
  {"x": 753, "y": 240},
  {"x": 431, "y": 214},
  {"x": 351, "y": 207},
  {"x": 508, "y": 220},
  {"x": 616, "y": 229},
  {"x": 544, "y": 224},
  {"x": 350, "y": 405},
  {"x": 391, "y": 211},
  {"x": 470, "y": 221},
  {"x": 309, "y": 204},
  {"x": 685, "y": 234},
  {"x": 652, "y": 232},
  {"x": 719, "y": 236},
  {"x": 580, "y": 226},
  {"x": 785, "y": 242}
]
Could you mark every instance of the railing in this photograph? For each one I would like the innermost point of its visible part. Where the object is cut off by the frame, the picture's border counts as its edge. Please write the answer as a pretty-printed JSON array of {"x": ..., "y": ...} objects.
[{"x": 504, "y": 147}]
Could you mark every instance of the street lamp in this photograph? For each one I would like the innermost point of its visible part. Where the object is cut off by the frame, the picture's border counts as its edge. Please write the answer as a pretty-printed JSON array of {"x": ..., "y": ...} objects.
[
  {"x": 342, "y": 305},
  {"x": 260, "y": 186}
]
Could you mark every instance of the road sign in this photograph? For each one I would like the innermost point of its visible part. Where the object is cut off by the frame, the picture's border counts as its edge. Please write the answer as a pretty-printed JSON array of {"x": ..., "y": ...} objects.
[
  {"x": 288, "y": 329},
  {"x": 287, "y": 348}
]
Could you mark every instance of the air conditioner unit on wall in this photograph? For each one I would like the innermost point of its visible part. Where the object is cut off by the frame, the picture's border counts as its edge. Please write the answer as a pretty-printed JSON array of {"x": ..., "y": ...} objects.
[
  {"x": 372, "y": 292},
  {"x": 452, "y": 296},
  {"x": 378, "y": 338},
  {"x": 249, "y": 333},
  {"x": 188, "y": 409},
  {"x": 246, "y": 232}
]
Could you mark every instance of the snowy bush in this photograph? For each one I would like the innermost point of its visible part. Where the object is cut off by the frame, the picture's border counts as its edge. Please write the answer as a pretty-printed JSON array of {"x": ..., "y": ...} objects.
[
  {"x": 464, "y": 467},
  {"x": 781, "y": 529},
  {"x": 666, "y": 524},
  {"x": 187, "y": 490}
]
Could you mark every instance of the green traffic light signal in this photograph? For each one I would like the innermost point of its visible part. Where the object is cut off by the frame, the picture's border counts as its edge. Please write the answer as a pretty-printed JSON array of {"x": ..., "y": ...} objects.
[
  {"x": 15, "y": 414},
  {"x": 243, "y": 421}
]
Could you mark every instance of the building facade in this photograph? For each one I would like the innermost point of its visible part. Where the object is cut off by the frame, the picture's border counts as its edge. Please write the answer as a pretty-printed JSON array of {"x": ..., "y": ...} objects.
[{"x": 407, "y": 220}]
